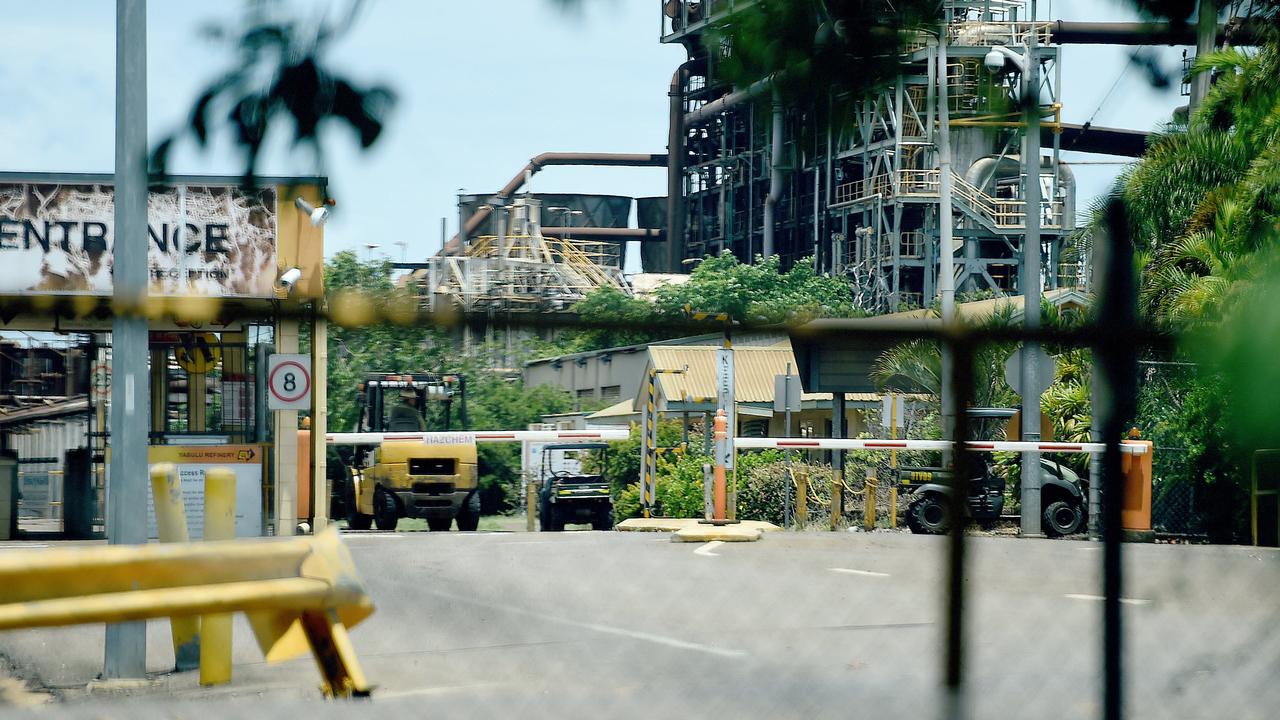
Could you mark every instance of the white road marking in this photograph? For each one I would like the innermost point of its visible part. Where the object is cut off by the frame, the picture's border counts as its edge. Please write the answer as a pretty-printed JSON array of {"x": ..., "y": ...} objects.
[
  {"x": 24, "y": 546},
  {"x": 441, "y": 690},
  {"x": 596, "y": 627},
  {"x": 1126, "y": 601},
  {"x": 705, "y": 550},
  {"x": 358, "y": 535},
  {"x": 850, "y": 571}
]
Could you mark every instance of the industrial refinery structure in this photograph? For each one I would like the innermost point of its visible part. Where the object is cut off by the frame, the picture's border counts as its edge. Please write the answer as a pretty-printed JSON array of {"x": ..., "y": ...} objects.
[{"x": 864, "y": 196}]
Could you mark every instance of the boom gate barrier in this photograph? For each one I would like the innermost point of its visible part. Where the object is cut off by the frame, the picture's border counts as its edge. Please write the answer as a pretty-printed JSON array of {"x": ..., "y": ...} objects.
[{"x": 298, "y": 594}]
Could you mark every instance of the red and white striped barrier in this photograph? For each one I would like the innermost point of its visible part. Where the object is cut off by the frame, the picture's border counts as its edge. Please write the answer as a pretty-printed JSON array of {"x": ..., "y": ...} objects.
[
  {"x": 754, "y": 443},
  {"x": 478, "y": 436}
]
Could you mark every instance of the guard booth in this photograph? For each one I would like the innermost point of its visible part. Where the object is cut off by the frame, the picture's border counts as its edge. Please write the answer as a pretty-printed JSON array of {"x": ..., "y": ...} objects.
[{"x": 216, "y": 254}]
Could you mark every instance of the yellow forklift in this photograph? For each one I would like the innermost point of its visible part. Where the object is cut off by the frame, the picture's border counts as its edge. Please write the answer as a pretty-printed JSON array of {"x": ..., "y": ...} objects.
[{"x": 379, "y": 483}]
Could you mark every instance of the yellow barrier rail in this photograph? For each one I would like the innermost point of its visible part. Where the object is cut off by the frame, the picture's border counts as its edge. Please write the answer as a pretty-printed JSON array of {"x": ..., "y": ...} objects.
[{"x": 298, "y": 594}]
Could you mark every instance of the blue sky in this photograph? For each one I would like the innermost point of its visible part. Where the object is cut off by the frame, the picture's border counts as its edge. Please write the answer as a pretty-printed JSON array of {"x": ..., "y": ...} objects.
[{"x": 483, "y": 86}]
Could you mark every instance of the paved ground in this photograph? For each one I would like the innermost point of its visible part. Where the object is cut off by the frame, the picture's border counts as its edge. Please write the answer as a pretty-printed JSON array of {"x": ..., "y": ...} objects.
[{"x": 810, "y": 625}]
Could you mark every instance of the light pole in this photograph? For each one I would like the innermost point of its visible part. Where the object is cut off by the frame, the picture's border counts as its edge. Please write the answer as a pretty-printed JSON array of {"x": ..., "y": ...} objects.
[
  {"x": 1028, "y": 67},
  {"x": 566, "y": 217},
  {"x": 126, "y": 643}
]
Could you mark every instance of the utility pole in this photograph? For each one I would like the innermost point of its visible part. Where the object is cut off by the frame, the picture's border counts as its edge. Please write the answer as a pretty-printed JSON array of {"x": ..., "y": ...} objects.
[
  {"x": 126, "y": 643},
  {"x": 946, "y": 260},
  {"x": 1206, "y": 41},
  {"x": 1030, "y": 525}
]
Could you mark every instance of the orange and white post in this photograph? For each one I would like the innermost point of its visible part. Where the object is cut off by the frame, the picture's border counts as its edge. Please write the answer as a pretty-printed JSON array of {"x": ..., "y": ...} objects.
[{"x": 721, "y": 436}]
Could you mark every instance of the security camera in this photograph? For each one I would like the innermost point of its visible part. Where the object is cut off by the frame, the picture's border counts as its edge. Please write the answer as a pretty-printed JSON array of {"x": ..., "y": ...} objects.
[
  {"x": 318, "y": 215},
  {"x": 290, "y": 278},
  {"x": 994, "y": 61}
]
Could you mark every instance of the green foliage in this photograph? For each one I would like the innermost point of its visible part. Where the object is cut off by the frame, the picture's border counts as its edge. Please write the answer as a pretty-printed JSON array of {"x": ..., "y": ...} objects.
[
  {"x": 623, "y": 469},
  {"x": 759, "y": 293},
  {"x": 631, "y": 322},
  {"x": 762, "y": 482},
  {"x": 680, "y": 487}
]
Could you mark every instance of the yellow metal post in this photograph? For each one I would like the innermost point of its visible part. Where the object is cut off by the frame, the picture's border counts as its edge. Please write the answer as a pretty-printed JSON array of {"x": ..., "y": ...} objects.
[
  {"x": 802, "y": 502},
  {"x": 334, "y": 654},
  {"x": 531, "y": 502},
  {"x": 893, "y": 506},
  {"x": 219, "y": 524},
  {"x": 869, "y": 501},
  {"x": 171, "y": 524},
  {"x": 837, "y": 497}
]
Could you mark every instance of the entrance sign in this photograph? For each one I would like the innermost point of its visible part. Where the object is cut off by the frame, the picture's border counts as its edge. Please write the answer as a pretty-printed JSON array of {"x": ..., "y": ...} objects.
[
  {"x": 191, "y": 463},
  {"x": 201, "y": 240},
  {"x": 289, "y": 382}
]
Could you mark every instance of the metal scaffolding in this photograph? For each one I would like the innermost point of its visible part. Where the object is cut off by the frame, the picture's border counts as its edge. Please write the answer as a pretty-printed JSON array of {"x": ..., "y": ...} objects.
[{"x": 863, "y": 198}]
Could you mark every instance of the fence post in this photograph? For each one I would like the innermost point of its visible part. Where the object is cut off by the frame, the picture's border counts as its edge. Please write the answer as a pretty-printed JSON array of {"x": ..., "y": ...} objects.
[
  {"x": 171, "y": 526},
  {"x": 219, "y": 524},
  {"x": 837, "y": 496},
  {"x": 802, "y": 502},
  {"x": 869, "y": 501}
]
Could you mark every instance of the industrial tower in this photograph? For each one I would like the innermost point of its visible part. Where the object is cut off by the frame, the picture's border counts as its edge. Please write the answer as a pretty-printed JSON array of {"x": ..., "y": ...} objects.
[{"x": 863, "y": 197}]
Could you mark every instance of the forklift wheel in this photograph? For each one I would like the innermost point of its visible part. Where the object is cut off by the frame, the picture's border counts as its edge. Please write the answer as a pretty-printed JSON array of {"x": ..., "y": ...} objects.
[
  {"x": 929, "y": 515},
  {"x": 385, "y": 513},
  {"x": 355, "y": 519}
]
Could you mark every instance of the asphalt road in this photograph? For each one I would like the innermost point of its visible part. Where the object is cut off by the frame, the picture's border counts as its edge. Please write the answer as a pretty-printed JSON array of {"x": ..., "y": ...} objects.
[{"x": 813, "y": 625}]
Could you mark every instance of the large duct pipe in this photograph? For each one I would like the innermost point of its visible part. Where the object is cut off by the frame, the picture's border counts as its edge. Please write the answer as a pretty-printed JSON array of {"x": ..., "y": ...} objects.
[
  {"x": 775, "y": 176},
  {"x": 1239, "y": 31},
  {"x": 675, "y": 165},
  {"x": 454, "y": 246},
  {"x": 606, "y": 233},
  {"x": 1101, "y": 140}
]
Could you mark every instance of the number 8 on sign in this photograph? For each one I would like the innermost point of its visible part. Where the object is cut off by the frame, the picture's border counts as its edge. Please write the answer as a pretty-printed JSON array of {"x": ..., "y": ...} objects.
[{"x": 289, "y": 382}]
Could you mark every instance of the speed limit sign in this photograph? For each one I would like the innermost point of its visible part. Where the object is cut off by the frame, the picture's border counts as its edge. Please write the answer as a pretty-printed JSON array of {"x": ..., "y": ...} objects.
[{"x": 289, "y": 382}]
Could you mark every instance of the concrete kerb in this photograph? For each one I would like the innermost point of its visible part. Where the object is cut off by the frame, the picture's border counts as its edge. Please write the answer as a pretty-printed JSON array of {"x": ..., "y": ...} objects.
[{"x": 690, "y": 530}]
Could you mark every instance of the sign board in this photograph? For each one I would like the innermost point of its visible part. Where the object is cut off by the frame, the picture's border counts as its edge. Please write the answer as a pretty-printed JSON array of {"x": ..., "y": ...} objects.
[
  {"x": 202, "y": 240},
  {"x": 725, "y": 401},
  {"x": 289, "y": 382},
  {"x": 199, "y": 353},
  {"x": 101, "y": 389},
  {"x": 1045, "y": 368},
  {"x": 892, "y": 412},
  {"x": 786, "y": 393},
  {"x": 192, "y": 463}
]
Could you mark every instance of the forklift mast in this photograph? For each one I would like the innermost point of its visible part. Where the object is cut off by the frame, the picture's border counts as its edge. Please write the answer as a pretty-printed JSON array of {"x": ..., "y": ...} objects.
[{"x": 371, "y": 398}]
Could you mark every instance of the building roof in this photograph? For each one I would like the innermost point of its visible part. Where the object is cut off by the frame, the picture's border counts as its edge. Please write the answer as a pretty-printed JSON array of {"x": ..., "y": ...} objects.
[{"x": 753, "y": 368}]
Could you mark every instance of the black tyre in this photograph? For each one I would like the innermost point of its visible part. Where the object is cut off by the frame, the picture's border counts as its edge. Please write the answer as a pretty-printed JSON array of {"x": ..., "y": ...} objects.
[
  {"x": 1062, "y": 518},
  {"x": 355, "y": 519},
  {"x": 929, "y": 515},
  {"x": 386, "y": 515},
  {"x": 469, "y": 516},
  {"x": 544, "y": 516},
  {"x": 603, "y": 520},
  {"x": 439, "y": 524},
  {"x": 555, "y": 523}
]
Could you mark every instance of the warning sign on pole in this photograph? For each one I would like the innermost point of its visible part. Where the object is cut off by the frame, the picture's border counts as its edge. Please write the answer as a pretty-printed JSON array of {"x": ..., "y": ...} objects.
[{"x": 289, "y": 382}]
